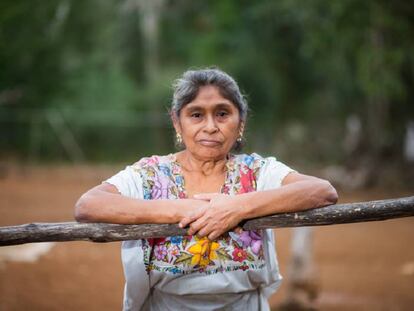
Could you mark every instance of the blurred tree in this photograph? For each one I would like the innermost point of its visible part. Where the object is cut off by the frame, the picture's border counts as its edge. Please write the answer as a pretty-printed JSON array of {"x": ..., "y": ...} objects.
[{"x": 308, "y": 68}]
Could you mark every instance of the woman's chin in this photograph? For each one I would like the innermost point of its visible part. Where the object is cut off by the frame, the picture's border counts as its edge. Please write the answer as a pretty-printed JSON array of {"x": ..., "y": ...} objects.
[{"x": 211, "y": 152}]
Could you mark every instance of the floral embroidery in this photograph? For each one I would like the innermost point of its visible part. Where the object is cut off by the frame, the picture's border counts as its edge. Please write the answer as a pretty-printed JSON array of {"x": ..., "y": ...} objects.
[
  {"x": 175, "y": 250},
  {"x": 160, "y": 251},
  {"x": 176, "y": 239},
  {"x": 160, "y": 188},
  {"x": 204, "y": 251},
  {"x": 247, "y": 181},
  {"x": 250, "y": 239},
  {"x": 239, "y": 254},
  {"x": 162, "y": 179}
]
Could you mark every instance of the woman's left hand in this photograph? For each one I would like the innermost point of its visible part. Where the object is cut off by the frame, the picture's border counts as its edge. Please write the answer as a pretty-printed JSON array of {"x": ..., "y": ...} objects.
[{"x": 223, "y": 214}]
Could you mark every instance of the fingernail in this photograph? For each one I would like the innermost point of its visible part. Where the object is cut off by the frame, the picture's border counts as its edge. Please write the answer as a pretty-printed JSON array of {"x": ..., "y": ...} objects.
[{"x": 180, "y": 225}]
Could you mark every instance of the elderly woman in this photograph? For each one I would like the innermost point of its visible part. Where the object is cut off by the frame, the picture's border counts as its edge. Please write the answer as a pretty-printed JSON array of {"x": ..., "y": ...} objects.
[{"x": 210, "y": 190}]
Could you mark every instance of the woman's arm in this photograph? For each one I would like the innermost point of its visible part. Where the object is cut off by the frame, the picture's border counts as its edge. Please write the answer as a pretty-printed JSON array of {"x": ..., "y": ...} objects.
[
  {"x": 298, "y": 192},
  {"x": 104, "y": 203}
]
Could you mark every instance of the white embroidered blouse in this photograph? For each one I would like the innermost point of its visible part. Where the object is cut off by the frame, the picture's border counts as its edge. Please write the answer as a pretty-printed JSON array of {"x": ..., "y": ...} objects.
[{"x": 235, "y": 272}]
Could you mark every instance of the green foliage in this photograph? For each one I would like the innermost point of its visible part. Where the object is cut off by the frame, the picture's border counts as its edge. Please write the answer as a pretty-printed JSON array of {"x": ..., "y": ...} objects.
[{"x": 304, "y": 65}]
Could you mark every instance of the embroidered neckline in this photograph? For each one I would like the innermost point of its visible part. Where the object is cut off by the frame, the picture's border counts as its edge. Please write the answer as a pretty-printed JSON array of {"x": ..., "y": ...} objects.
[
  {"x": 162, "y": 178},
  {"x": 177, "y": 170}
]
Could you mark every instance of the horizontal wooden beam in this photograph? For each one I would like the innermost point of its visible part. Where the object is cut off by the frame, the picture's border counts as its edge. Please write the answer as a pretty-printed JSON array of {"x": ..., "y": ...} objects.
[{"x": 103, "y": 232}]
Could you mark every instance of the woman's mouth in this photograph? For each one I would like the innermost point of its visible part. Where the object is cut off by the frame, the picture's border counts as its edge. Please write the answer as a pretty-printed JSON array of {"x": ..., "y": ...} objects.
[{"x": 209, "y": 142}]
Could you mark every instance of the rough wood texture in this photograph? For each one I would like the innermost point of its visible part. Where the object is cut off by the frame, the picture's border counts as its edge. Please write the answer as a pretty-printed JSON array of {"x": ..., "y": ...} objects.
[{"x": 101, "y": 232}]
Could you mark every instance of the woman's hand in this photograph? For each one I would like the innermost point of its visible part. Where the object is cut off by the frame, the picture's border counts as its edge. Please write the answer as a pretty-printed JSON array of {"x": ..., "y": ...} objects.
[
  {"x": 222, "y": 215},
  {"x": 191, "y": 209}
]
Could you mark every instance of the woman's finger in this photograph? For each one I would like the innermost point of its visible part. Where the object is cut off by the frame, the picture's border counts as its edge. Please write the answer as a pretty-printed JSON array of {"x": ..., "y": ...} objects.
[
  {"x": 214, "y": 235},
  {"x": 187, "y": 220},
  {"x": 184, "y": 222},
  {"x": 205, "y": 231},
  {"x": 197, "y": 225},
  {"x": 192, "y": 217},
  {"x": 194, "y": 228}
]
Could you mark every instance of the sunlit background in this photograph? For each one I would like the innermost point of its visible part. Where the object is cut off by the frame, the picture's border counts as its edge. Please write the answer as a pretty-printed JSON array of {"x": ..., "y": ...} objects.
[{"x": 85, "y": 88}]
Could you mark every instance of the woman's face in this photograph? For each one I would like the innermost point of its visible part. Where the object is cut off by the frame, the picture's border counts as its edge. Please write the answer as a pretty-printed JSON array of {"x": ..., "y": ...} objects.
[{"x": 209, "y": 125}]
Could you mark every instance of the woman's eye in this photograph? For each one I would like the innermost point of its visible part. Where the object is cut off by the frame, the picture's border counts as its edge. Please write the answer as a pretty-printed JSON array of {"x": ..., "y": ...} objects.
[
  {"x": 196, "y": 115},
  {"x": 222, "y": 113}
]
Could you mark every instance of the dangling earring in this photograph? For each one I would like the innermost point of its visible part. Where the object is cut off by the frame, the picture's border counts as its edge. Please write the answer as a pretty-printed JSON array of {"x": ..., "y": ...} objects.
[
  {"x": 241, "y": 130},
  {"x": 240, "y": 138},
  {"x": 178, "y": 138}
]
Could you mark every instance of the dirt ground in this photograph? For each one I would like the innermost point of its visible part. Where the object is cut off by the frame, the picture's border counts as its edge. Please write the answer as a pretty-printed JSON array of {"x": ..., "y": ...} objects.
[{"x": 366, "y": 266}]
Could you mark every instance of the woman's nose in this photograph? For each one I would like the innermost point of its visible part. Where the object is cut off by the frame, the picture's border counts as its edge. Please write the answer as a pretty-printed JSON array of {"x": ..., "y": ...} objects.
[{"x": 211, "y": 126}]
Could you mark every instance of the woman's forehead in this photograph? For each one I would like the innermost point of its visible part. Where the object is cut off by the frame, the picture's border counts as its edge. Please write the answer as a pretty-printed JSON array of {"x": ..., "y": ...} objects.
[
  {"x": 209, "y": 105},
  {"x": 209, "y": 97}
]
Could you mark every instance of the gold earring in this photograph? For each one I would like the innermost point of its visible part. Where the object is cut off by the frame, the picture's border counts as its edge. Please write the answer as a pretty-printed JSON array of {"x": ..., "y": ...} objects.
[
  {"x": 179, "y": 138},
  {"x": 240, "y": 138}
]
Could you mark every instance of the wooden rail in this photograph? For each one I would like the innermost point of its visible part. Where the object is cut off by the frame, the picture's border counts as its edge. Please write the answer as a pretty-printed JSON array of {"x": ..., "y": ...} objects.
[{"x": 102, "y": 232}]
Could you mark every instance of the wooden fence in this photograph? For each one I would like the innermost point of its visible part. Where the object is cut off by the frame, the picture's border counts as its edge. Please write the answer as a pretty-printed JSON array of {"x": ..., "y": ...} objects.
[{"x": 102, "y": 232}]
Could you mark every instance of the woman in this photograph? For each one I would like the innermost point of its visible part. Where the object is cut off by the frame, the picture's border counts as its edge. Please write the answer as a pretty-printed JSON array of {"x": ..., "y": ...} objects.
[{"x": 217, "y": 266}]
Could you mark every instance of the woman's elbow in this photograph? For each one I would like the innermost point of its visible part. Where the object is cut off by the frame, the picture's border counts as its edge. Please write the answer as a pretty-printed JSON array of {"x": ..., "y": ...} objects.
[
  {"x": 82, "y": 209},
  {"x": 330, "y": 195}
]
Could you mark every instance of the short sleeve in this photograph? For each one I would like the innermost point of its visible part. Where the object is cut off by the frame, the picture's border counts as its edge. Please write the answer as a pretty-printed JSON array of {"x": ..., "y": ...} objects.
[
  {"x": 272, "y": 174},
  {"x": 128, "y": 182}
]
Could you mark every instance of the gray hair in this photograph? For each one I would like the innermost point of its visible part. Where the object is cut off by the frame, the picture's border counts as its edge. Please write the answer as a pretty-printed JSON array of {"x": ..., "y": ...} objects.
[{"x": 186, "y": 89}]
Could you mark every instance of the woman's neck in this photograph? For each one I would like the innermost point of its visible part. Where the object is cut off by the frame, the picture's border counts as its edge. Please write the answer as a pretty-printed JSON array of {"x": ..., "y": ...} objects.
[{"x": 206, "y": 167}]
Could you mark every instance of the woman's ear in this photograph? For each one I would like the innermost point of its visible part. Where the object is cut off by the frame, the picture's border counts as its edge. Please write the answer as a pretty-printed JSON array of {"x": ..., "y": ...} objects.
[{"x": 176, "y": 122}]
